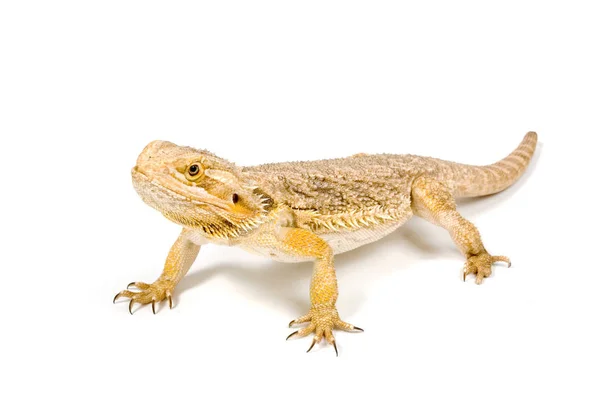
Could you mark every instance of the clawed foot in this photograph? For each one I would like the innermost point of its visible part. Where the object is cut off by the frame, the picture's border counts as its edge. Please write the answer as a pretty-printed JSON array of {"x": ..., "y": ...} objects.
[
  {"x": 148, "y": 293},
  {"x": 323, "y": 319},
  {"x": 481, "y": 266}
]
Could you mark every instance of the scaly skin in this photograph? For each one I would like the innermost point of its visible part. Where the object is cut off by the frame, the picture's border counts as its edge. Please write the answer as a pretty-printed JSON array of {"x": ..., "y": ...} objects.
[{"x": 300, "y": 211}]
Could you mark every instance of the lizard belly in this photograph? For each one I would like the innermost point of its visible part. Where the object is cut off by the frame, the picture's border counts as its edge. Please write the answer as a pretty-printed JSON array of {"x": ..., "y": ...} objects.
[
  {"x": 343, "y": 241},
  {"x": 340, "y": 241},
  {"x": 266, "y": 243},
  {"x": 274, "y": 253}
]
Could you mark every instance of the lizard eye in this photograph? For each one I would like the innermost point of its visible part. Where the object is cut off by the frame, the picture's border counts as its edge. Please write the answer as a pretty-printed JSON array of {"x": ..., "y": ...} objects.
[{"x": 194, "y": 170}]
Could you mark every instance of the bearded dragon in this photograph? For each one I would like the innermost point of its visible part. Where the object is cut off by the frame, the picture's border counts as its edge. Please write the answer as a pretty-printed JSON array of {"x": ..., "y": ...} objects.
[{"x": 310, "y": 211}]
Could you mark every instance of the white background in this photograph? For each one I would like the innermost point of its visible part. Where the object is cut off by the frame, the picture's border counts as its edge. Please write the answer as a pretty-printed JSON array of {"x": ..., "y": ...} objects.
[{"x": 84, "y": 86}]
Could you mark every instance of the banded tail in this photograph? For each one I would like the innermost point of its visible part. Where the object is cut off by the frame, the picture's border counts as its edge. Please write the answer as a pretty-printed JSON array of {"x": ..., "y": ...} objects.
[{"x": 473, "y": 181}]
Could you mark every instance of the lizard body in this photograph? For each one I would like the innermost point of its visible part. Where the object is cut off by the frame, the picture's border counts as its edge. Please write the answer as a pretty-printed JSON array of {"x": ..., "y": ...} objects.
[{"x": 299, "y": 211}]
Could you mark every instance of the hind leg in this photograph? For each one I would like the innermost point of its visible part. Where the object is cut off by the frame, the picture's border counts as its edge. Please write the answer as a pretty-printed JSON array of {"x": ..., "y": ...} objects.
[{"x": 433, "y": 201}]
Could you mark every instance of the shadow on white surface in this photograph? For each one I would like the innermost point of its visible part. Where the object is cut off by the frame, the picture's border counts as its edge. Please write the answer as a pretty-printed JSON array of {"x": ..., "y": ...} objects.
[{"x": 286, "y": 284}]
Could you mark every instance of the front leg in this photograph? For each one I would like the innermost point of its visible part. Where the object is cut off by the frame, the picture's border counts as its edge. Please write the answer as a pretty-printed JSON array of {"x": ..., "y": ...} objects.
[
  {"x": 180, "y": 258},
  {"x": 322, "y": 316}
]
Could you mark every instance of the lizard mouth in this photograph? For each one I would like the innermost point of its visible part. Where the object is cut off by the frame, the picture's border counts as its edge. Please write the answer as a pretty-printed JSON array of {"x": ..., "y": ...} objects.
[{"x": 182, "y": 208}]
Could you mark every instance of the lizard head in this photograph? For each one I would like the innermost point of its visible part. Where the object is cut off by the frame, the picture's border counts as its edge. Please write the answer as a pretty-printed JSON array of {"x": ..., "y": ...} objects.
[{"x": 197, "y": 189}]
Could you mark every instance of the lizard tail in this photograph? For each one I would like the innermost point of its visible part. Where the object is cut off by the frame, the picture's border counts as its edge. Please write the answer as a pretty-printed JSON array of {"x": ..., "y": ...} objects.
[{"x": 473, "y": 181}]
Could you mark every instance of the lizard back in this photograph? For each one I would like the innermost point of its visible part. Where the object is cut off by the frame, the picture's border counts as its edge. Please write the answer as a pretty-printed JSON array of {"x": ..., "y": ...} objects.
[{"x": 342, "y": 185}]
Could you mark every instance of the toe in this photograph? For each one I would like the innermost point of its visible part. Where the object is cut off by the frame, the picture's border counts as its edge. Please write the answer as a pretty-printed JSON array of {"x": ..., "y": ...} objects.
[
  {"x": 504, "y": 259},
  {"x": 329, "y": 336},
  {"x": 342, "y": 325},
  {"x": 469, "y": 269},
  {"x": 483, "y": 272},
  {"x": 319, "y": 334},
  {"x": 479, "y": 278},
  {"x": 304, "y": 319},
  {"x": 124, "y": 293},
  {"x": 138, "y": 285},
  {"x": 303, "y": 332},
  {"x": 317, "y": 338}
]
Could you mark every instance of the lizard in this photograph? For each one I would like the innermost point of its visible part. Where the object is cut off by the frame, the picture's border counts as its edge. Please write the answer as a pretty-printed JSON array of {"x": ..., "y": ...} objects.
[{"x": 310, "y": 211}]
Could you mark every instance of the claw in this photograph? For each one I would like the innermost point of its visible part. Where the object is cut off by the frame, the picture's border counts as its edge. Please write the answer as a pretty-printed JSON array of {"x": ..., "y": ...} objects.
[
  {"x": 131, "y": 306},
  {"x": 335, "y": 347},
  {"x": 153, "y": 306},
  {"x": 130, "y": 284},
  {"x": 359, "y": 329},
  {"x": 292, "y": 323},
  {"x": 464, "y": 275},
  {"x": 170, "y": 301},
  {"x": 311, "y": 345},
  {"x": 291, "y": 335},
  {"x": 124, "y": 293}
]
